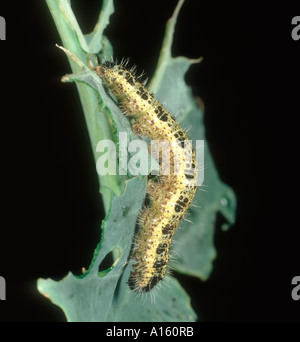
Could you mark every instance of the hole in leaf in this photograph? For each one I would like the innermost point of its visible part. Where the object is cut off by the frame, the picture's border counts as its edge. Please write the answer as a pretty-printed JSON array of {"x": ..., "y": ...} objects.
[{"x": 109, "y": 262}]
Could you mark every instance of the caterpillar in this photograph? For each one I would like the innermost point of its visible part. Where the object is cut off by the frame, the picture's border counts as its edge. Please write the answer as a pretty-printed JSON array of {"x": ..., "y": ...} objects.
[{"x": 171, "y": 194}]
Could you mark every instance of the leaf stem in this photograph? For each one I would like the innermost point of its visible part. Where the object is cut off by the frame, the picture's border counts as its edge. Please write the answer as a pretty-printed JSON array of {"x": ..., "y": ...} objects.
[{"x": 97, "y": 120}]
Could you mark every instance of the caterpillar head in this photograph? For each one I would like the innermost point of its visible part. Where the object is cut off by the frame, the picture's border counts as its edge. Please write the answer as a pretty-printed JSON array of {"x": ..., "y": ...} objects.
[{"x": 117, "y": 78}]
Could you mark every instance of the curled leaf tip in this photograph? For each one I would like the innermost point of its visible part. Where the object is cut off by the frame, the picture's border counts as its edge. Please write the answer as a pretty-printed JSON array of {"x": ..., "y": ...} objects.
[{"x": 196, "y": 60}]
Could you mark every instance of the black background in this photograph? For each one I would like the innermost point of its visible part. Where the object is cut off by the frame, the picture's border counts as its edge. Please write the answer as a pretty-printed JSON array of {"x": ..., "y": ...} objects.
[{"x": 249, "y": 82}]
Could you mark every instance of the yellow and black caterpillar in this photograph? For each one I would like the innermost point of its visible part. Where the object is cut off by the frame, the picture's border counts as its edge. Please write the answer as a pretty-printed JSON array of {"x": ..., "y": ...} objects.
[{"x": 171, "y": 195}]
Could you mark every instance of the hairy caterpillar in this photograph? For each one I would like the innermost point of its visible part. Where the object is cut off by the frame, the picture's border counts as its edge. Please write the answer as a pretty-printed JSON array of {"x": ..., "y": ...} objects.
[{"x": 171, "y": 195}]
